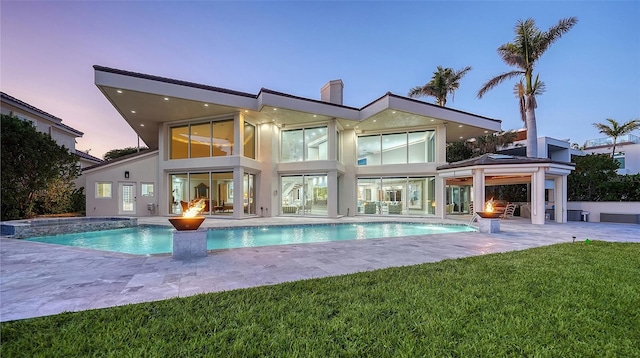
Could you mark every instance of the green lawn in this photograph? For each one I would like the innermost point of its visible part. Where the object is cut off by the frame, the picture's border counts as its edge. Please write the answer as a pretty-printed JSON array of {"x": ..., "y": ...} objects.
[{"x": 566, "y": 300}]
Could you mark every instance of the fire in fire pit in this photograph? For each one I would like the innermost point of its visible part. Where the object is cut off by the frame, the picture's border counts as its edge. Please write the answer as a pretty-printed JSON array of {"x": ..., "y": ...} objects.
[
  {"x": 189, "y": 219},
  {"x": 489, "y": 211}
]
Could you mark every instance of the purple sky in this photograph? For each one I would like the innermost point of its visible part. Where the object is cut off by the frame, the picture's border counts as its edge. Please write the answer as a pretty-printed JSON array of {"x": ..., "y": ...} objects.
[{"x": 48, "y": 49}]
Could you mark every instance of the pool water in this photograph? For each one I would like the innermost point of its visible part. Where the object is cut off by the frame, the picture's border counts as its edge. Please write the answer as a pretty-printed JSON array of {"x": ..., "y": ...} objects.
[{"x": 146, "y": 240}]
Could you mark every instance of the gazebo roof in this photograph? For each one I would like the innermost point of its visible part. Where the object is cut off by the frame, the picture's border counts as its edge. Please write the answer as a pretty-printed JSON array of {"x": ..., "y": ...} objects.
[{"x": 496, "y": 159}]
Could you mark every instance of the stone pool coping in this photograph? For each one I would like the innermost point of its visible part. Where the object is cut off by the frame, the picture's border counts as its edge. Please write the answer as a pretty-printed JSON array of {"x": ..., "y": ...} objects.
[{"x": 21, "y": 229}]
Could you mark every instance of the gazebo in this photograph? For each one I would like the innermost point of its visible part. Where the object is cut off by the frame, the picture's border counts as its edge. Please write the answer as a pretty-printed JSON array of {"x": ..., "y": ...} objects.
[{"x": 541, "y": 173}]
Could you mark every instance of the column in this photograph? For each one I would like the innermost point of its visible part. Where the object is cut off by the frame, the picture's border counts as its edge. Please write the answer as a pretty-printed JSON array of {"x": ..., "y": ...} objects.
[
  {"x": 560, "y": 199},
  {"x": 478, "y": 190},
  {"x": 537, "y": 197}
]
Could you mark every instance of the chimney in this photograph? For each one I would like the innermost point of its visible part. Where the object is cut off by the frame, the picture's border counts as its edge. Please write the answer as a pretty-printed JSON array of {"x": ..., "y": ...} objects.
[{"x": 332, "y": 92}]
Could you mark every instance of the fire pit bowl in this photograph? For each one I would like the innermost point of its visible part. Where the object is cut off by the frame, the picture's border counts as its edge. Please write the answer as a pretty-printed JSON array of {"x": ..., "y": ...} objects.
[
  {"x": 488, "y": 214},
  {"x": 182, "y": 223}
]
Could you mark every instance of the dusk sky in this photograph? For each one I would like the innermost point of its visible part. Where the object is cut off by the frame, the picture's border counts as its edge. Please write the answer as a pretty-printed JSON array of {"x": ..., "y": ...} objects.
[{"x": 48, "y": 49}]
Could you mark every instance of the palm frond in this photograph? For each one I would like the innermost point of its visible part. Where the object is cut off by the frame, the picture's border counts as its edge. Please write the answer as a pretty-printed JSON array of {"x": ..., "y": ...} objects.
[
  {"x": 556, "y": 32},
  {"x": 498, "y": 80}
]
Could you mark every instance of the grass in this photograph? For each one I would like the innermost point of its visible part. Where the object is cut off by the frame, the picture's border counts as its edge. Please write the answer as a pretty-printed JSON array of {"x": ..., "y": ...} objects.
[{"x": 566, "y": 300}]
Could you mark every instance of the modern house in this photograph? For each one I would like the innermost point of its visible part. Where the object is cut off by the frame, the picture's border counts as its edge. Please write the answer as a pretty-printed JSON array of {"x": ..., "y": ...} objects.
[
  {"x": 47, "y": 123},
  {"x": 627, "y": 151},
  {"x": 268, "y": 154}
]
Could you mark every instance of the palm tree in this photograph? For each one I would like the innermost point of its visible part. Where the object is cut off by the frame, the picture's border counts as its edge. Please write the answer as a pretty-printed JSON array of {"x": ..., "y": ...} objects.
[
  {"x": 445, "y": 81},
  {"x": 524, "y": 52},
  {"x": 616, "y": 130}
]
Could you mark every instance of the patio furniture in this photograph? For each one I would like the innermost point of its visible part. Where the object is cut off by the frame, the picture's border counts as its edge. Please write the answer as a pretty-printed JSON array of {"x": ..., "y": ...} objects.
[
  {"x": 509, "y": 211},
  {"x": 395, "y": 208}
]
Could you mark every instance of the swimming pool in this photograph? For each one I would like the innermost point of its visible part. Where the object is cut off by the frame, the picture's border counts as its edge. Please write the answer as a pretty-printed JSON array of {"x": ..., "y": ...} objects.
[{"x": 146, "y": 240}]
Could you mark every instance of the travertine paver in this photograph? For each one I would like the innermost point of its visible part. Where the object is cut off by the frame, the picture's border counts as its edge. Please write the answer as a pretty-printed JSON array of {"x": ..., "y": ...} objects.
[{"x": 38, "y": 279}]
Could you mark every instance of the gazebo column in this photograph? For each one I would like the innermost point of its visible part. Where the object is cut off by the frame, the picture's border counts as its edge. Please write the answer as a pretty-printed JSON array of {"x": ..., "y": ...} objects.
[
  {"x": 537, "y": 197},
  {"x": 478, "y": 189},
  {"x": 440, "y": 196},
  {"x": 560, "y": 199}
]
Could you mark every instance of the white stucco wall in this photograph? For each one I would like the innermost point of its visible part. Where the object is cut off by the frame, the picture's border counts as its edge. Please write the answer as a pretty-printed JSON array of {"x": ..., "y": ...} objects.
[
  {"x": 142, "y": 169},
  {"x": 612, "y": 207}
]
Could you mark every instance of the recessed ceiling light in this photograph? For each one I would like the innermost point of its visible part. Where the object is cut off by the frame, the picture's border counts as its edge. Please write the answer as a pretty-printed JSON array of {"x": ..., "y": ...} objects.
[
  {"x": 142, "y": 125},
  {"x": 432, "y": 120},
  {"x": 374, "y": 121},
  {"x": 133, "y": 111},
  {"x": 460, "y": 126},
  {"x": 166, "y": 98},
  {"x": 206, "y": 104},
  {"x": 348, "y": 125},
  {"x": 119, "y": 91},
  {"x": 393, "y": 112},
  {"x": 460, "y": 137},
  {"x": 246, "y": 111},
  {"x": 275, "y": 109},
  {"x": 314, "y": 116},
  {"x": 486, "y": 131},
  {"x": 357, "y": 126},
  {"x": 273, "y": 120}
]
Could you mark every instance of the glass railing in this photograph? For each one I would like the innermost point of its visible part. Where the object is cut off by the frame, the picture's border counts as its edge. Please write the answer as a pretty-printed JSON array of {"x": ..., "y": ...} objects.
[{"x": 627, "y": 138}]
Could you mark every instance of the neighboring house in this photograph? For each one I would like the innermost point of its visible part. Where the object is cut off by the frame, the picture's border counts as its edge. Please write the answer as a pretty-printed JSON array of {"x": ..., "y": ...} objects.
[
  {"x": 627, "y": 151},
  {"x": 47, "y": 123},
  {"x": 275, "y": 154}
]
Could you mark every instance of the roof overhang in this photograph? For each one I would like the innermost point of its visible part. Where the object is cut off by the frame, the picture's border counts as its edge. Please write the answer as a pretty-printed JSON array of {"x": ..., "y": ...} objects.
[
  {"x": 504, "y": 167},
  {"x": 146, "y": 102}
]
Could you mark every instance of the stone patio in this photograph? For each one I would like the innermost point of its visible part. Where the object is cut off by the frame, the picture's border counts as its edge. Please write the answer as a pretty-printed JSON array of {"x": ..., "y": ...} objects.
[{"x": 38, "y": 279}]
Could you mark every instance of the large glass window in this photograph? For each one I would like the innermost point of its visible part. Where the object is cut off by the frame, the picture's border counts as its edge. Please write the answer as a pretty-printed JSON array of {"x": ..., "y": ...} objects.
[
  {"x": 200, "y": 140},
  {"x": 369, "y": 150},
  {"x": 214, "y": 189},
  {"x": 315, "y": 140},
  {"x": 222, "y": 138},
  {"x": 292, "y": 146},
  {"x": 396, "y": 196},
  {"x": 249, "y": 140},
  {"x": 249, "y": 193},
  {"x": 216, "y": 138},
  {"x": 304, "y": 195},
  {"x": 179, "y": 142},
  {"x": 396, "y": 148},
  {"x": 304, "y": 144}
]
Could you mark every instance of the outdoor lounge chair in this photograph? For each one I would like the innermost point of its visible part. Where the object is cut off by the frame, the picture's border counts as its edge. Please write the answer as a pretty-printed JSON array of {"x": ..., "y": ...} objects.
[{"x": 509, "y": 210}]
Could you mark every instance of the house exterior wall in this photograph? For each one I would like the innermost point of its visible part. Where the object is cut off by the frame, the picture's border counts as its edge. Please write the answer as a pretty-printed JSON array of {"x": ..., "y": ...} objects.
[
  {"x": 330, "y": 176},
  {"x": 62, "y": 136},
  {"x": 142, "y": 169}
]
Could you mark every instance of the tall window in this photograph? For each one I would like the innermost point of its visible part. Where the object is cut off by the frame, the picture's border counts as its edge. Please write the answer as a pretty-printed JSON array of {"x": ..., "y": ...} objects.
[
  {"x": 222, "y": 138},
  {"x": 179, "y": 142},
  {"x": 249, "y": 140},
  {"x": 397, "y": 148},
  {"x": 200, "y": 140},
  {"x": 304, "y": 195},
  {"x": 304, "y": 144}
]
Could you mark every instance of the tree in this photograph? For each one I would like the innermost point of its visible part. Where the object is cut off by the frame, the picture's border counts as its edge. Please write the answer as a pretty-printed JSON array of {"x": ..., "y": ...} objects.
[
  {"x": 445, "y": 81},
  {"x": 615, "y": 130},
  {"x": 117, "y": 153},
  {"x": 591, "y": 177},
  {"x": 524, "y": 52},
  {"x": 37, "y": 173}
]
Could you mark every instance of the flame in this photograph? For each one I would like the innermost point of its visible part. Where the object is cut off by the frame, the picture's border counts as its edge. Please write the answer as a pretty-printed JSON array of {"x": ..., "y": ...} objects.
[
  {"x": 194, "y": 209},
  {"x": 488, "y": 207}
]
